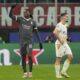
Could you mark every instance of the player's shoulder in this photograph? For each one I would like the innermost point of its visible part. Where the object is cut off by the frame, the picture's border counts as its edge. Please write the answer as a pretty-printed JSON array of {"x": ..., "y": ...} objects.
[
  {"x": 32, "y": 20},
  {"x": 19, "y": 16},
  {"x": 58, "y": 25}
]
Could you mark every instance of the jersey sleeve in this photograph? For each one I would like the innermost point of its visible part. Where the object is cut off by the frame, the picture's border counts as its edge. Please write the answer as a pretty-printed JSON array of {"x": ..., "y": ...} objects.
[
  {"x": 18, "y": 18},
  {"x": 34, "y": 25},
  {"x": 58, "y": 27}
]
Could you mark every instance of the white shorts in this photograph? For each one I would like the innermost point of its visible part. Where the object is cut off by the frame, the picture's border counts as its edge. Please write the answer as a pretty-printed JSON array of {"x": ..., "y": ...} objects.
[{"x": 62, "y": 50}]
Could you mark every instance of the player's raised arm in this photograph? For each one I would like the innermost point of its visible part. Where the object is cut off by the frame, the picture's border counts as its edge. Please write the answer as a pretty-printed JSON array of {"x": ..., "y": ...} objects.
[
  {"x": 38, "y": 36},
  {"x": 11, "y": 12}
]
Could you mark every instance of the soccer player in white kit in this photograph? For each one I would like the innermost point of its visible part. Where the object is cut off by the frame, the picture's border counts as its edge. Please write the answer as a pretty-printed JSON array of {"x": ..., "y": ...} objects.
[{"x": 62, "y": 48}]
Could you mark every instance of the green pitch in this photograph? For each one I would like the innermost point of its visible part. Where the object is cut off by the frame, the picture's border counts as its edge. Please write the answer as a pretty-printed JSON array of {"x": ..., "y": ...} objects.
[{"x": 40, "y": 72}]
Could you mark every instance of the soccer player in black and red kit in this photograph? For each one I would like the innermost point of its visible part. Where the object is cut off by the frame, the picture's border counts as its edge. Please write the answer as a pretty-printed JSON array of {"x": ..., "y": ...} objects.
[{"x": 26, "y": 27}]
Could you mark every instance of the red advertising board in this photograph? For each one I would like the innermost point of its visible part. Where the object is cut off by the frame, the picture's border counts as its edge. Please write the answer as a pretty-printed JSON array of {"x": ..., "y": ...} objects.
[{"x": 43, "y": 14}]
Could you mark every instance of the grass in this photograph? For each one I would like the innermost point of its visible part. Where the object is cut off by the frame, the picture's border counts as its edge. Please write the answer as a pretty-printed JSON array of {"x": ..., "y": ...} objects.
[{"x": 40, "y": 72}]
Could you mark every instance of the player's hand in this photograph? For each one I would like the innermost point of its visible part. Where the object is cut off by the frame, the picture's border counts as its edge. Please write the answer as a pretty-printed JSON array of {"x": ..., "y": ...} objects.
[
  {"x": 40, "y": 45},
  {"x": 62, "y": 39},
  {"x": 69, "y": 39},
  {"x": 14, "y": 5}
]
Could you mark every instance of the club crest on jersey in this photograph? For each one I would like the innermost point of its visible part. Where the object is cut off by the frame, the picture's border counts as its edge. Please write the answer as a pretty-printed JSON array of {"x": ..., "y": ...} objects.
[
  {"x": 31, "y": 22},
  {"x": 64, "y": 32}
]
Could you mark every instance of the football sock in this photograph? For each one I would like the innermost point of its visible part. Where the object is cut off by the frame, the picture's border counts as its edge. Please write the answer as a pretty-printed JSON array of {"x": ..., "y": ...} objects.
[
  {"x": 57, "y": 70},
  {"x": 24, "y": 63},
  {"x": 65, "y": 66},
  {"x": 30, "y": 63}
]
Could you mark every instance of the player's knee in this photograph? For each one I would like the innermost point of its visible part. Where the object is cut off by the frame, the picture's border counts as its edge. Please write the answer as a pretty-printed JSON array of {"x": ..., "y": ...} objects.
[
  {"x": 70, "y": 57},
  {"x": 30, "y": 58},
  {"x": 29, "y": 55},
  {"x": 58, "y": 60}
]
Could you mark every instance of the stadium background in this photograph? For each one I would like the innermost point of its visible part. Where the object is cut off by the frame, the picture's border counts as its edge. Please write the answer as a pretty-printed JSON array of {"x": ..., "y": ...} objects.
[{"x": 46, "y": 13}]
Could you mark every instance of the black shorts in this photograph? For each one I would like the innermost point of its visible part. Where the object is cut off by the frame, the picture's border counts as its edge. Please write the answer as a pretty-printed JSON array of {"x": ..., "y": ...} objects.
[{"x": 27, "y": 49}]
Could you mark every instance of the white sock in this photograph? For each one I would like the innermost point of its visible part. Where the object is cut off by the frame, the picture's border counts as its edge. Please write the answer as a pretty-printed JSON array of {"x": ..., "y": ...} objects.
[
  {"x": 65, "y": 66},
  {"x": 57, "y": 70}
]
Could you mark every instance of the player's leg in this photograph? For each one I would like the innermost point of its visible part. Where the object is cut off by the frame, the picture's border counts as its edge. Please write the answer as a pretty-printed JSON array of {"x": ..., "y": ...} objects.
[
  {"x": 57, "y": 67},
  {"x": 67, "y": 61},
  {"x": 58, "y": 60},
  {"x": 29, "y": 49},
  {"x": 23, "y": 55}
]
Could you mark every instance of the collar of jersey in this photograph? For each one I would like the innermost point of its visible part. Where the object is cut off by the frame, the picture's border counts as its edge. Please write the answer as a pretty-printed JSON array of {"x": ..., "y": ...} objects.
[{"x": 27, "y": 19}]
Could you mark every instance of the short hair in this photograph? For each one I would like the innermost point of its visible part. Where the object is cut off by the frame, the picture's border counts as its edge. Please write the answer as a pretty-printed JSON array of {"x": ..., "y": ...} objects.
[{"x": 63, "y": 14}]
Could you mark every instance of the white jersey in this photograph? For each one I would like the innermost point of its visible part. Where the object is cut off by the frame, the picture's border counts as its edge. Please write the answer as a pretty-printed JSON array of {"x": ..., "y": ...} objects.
[
  {"x": 64, "y": 49},
  {"x": 62, "y": 32}
]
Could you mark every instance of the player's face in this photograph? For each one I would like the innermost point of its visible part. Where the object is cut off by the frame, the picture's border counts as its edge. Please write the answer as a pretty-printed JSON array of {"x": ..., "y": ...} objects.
[
  {"x": 65, "y": 18},
  {"x": 26, "y": 14}
]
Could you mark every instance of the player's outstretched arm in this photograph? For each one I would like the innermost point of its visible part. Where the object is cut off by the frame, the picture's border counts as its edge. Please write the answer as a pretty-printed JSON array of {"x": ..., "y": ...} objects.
[
  {"x": 11, "y": 12},
  {"x": 37, "y": 35},
  {"x": 39, "y": 39}
]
